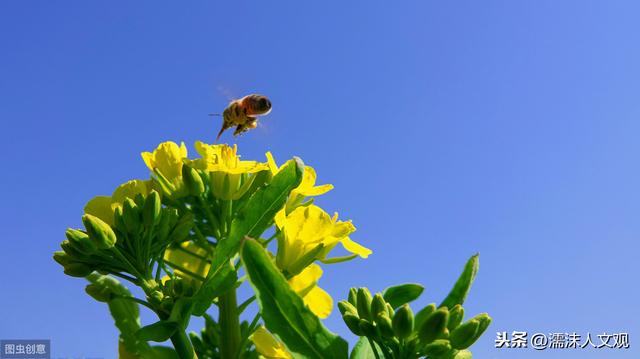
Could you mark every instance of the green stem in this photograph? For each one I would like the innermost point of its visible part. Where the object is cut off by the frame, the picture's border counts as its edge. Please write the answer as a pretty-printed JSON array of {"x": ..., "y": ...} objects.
[
  {"x": 124, "y": 276},
  {"x": 137, "y": 300},
  {"x": 252, "y": 328},
  {"x": 274, "y": 235},
  {"x": 213, "y": 221},
  {"x": 182, "y": 345},
  {"x": 229, "y": 325}
]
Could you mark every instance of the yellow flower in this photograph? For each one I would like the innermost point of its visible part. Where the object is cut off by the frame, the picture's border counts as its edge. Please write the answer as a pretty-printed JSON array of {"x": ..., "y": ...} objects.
[
  {"x": 230, "y": 177},
  {"x": 307, "y": 227},
  {"x": 222, "y": 158},
  {"x": 167, "y": 159},
  {"x": 189, "y": 261},
  {"x": 306, "y": 285},
  {"x": 268, "y": 346},
  {"x": 103, "y": 207},
  {"x": 307, "y": 187}
]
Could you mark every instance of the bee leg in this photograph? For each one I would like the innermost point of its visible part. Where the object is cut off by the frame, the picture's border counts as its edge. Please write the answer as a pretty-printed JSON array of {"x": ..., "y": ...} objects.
[
  {"x": 251, "y": 123},
  {"x": 240, "y": 129}
]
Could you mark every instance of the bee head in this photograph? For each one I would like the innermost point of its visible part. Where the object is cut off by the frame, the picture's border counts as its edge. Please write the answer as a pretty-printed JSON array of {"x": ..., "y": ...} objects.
[{"x": 263, "y": 104}]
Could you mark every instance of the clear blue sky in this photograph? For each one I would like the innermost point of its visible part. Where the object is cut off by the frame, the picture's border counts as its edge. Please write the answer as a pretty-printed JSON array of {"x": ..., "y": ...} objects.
[{"x": 508, "y": 128}]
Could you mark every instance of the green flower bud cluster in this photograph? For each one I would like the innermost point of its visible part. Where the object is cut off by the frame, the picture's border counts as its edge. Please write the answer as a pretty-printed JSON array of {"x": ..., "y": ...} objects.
[
  {"x": 164, "y": 298},
  {"x": 208, "y": 195},
  {"x": 141, "y": 232},
  {"x": 437, "y": 333}
]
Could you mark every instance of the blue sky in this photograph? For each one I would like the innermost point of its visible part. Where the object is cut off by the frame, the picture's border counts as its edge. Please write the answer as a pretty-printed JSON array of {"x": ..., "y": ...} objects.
[{"x": 508, "y": 128}]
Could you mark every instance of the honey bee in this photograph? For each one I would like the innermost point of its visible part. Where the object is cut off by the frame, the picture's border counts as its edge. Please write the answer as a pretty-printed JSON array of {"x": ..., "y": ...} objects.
[{"x": 243, "y": 113}]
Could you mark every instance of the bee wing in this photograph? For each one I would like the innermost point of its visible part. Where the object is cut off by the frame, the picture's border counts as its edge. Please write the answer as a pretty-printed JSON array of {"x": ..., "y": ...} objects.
[{"x": 228, "y": 94}]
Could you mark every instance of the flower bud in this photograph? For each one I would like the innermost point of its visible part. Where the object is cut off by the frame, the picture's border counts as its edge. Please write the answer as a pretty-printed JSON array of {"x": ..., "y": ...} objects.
[
  {"x": 353, "y": 295},
  {"x": 62, "y": 258},
  {"x": 434, "y": 326},
  {"x": 464, "y": 335},
  {"x": 378, "y": 305},
  {"x": 403, "y": 322},
  {"x": 118, "y": 220},
  {"x": 131, "y": 215},
  {"x": 80, "y": 241},
  {"x": 70, "y": 250},
  {"x": 437, "y": 348},
  {"x": 155, "y": 298},
  {"x": 385, "y": 325},
  {"x": 181, "y": 287},
  {"x": 76, "y": 269},
  {"x": 484, "y": 320},
  {"x": 390, "y": 310},
  {"x": 353, "y": 323},
  {"x": 346, "y": 307},
  {"x": 166, "y": 217},
  {"x": 182, "y": 229},
  {"x": 139, "y": 200},
  {"x": 151, "y": 209},
  {"x": 424, "y": 313},
  {"x": 192, "y": 181},
  {"x": 455, "y": 316},
  {"x": 100, "y": 232},
  {"x": 364, "y": 303}
]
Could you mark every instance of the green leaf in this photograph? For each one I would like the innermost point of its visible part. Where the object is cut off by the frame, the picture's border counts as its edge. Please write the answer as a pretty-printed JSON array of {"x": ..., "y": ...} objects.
[
  {"x": 124, "y": 312},
  {"x": 284, "y": 312},
  {"x": 257, "y": 215},
  {"x": 363, "y": 350},
  {"x": 398, "y": 295},
  {"x": 463, "y": 284},
  {"x": 158, "y": 331}
]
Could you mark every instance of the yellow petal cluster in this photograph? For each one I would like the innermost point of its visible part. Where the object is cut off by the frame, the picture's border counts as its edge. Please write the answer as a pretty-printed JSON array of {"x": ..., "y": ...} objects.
[
  {"x": 308, "y": 226},
  {"x": 223, "y": 158},
  {"x": 230, "y": 177},
  {"x": 167, "y": 159},
  {"x": 104, "y": 207}
]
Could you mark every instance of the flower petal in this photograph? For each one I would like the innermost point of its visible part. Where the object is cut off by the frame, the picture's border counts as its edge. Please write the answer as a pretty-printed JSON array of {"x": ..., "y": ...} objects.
[
  {"x": 318, "y": 190},
  {"x": 355, "y": 248},
  {"x": 130, "y": 189},
  {"x": 189, "y": 260},
  {"x": 268, "y": 346},
  {"x": 306, "y": 279},
  {"x": 319, "y": 302},
  {"x": 100, "y": 206},
  {"x": 271, "y": 163}
]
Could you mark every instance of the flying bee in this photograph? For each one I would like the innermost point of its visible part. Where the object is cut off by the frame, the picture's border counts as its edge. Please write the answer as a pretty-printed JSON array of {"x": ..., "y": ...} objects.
[{"x": 243, "y": 113}]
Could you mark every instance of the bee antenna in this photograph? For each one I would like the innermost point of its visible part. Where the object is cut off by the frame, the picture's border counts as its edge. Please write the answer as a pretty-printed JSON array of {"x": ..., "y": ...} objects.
[{"x": 215, "y": 114}]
